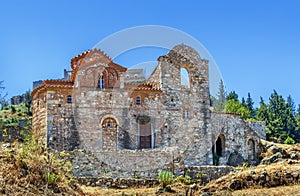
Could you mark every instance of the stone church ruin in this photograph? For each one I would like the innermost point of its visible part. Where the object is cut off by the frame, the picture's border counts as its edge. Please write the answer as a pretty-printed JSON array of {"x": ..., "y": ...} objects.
[{"x": 110, "y": 115}]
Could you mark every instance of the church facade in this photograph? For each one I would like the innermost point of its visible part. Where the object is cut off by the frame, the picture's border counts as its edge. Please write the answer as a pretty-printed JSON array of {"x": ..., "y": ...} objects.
[{"x": 127, "y": 121}]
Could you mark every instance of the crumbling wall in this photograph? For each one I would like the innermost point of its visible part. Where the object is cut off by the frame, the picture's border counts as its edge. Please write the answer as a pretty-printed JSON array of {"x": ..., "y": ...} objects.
[{"x": 241, "y": 143}]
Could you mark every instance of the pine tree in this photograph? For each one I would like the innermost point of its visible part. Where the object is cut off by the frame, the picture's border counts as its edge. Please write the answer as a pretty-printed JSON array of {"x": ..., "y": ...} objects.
[
  {"x": 291, "y": 122},
  {"x": 291, "y": 104},
  {"x": 232, "y": 96},
  {"x": 276, "y": 116},
  {"x": 249, "y": 105},
  {"x": 221, "y": 97},
  {"x": 262, "y": 112},
  {"x": 243, "y": 102}
]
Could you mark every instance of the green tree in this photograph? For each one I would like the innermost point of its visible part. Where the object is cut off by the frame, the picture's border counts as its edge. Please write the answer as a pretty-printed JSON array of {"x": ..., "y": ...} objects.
[
  {"x": 291, "y": 104},
  {"x": 249, "y": 105},
  {"x": 221, "y": 98},
  {"x": 276, "y": 116},
  {"x": 232, "y": 96},
  {"x": 233, "y": 106},
  {"x": 243, "y": 102},
  {"x": 262, "y": 112},
  {"x": 291, "y": 122},
  {"x": 281, "y": 121}
]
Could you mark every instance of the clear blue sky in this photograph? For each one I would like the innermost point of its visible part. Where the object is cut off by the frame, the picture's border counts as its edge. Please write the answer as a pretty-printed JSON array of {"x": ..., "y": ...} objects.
[{"x": 256, "y": 44}]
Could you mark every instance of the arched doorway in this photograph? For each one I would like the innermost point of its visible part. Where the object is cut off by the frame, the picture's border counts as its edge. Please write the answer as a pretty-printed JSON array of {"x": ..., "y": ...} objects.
[
  {"x": 109, "y": 133},
  {"x": 220, "y": 145},
  {"x": 146, "y": 135},
  {"x": 218, "y": 149},
  {"x": 251, "y": 150}
]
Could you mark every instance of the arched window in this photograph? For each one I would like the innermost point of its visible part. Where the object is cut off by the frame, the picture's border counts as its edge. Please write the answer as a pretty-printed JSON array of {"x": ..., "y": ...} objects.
[
  {"x": 69, "y": 99},
  {"x": 184, "y": 78},
  {"x": 101, "y": 81},
  {"x": 138, "y": 101}
]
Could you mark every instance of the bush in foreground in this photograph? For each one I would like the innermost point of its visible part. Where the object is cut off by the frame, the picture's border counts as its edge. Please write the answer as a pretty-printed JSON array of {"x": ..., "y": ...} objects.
[{"x": 29, "y": 169}]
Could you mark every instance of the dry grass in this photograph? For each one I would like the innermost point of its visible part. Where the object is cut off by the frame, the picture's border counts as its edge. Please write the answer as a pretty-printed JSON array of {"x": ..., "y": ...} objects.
[
  {"x": 293, "y": 190},
  {"x": 29, "y": 169}
]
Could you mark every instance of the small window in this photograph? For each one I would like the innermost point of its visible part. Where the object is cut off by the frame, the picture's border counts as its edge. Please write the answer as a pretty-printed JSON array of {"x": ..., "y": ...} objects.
[
  {"x": 184, "y": 78},
  {"x": 69, "y": 99},
  {"x": 172, "y": 99},
  {"x": 108, "y": 125},
  {"x": 138, "y": 101},
  {"x": 101, "y": 81},
  {"x": 186, "y": 114}
]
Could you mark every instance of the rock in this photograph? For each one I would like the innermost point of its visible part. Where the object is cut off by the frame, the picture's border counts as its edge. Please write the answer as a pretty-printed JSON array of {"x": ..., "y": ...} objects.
[
  {"x": 235, "y": 185},
  {"x": 235, "y": 159},
  {"x": 295, "y": 174},
  {"x": 206, "y": 194},
  {"x": 273, "y": 149},
  {"x": 273, "y": 159},
  {"x": 6, "y": 145},
  {"x": 294, "y": 156},
  {"x": 122, "y": 187},
  {"x": 194, "y": 186},
  {"x": 160, "y": 190}
]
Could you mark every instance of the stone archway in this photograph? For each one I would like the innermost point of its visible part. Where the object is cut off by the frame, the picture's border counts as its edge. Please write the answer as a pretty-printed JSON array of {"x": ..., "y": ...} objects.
[
  {"x": 220, "y": 145},
  {"x": 109, "y": 133}
]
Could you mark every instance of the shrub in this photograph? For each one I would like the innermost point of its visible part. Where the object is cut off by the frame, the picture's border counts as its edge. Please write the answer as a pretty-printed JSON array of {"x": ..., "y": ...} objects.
[
  {"x": 165, "y": 178},
  {"x": 51, "y": 178},
  {"x": 184, "y": 179},
  {"x": 289, "y": 140}
]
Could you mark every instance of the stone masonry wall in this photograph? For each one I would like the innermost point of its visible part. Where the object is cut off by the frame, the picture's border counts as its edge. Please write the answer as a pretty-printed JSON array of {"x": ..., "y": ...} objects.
[{"x": 236, "y": 134}]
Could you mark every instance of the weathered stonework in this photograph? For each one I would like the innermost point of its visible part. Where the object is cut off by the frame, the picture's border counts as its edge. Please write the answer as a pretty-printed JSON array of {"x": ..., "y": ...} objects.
[{"x": 140, "y": 127}]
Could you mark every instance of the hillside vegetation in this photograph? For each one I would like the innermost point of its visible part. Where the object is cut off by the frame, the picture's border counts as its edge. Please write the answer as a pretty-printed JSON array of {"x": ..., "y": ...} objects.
[{"x": 29, "y": 169}]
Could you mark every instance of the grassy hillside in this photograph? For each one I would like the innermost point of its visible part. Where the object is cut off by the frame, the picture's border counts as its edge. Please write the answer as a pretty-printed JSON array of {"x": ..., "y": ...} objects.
[{"x": 12, "y": 115}]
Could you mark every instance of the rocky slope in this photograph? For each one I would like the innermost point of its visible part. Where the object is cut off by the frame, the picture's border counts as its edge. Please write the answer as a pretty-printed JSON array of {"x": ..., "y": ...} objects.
[{"x": 280, "y": 166}]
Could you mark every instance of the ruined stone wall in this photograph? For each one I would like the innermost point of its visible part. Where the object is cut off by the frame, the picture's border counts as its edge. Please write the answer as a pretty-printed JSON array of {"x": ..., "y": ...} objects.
[
  {"x": 121, "y": 163},
  {"x": 187, "y": 106},
  {"x": 259, "y": 128},
  {"x": 235, "y": 135}
]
